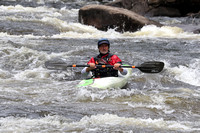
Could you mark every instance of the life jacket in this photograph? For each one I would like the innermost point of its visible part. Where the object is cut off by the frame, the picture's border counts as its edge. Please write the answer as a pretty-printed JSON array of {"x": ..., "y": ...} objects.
[{"x": 107, "y": 59}]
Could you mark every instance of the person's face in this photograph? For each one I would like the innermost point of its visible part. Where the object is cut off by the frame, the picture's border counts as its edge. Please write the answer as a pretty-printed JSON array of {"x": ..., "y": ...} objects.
[{"x": 103, "y": 48}]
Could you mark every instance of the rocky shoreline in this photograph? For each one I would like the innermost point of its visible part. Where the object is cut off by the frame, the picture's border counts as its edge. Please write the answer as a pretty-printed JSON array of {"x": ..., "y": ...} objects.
[
  {"x": 170, "y": 8},
  {"x": 131, "y": 15}
]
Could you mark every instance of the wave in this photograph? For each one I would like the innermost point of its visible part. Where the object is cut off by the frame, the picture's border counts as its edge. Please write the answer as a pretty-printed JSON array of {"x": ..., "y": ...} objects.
[
  {"x": 95, "y": 123},
  {"x": 163, "y": 32},
  {"x": 62, "y": 23},
  {"x": 77, "y": 30},
  {"x": 188, "y": 74}
]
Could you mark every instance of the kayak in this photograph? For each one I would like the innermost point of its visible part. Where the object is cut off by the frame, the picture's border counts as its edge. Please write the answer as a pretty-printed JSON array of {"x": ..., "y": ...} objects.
[{"x": 107, "y": 82}]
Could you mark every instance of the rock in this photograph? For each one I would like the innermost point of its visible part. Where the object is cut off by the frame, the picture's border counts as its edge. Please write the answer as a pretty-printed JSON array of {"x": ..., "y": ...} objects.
[
  {"x": 104, "y": 17},
  {"x": 116, "y": 3},
  {"x": 137, "y": 6},
  {"x": 197, "y": 31},
  {"x": 153, "y": 2},
  {"x": 164, "y": 11},
  {"x": 171, "y": 8},
  {"x": 194, "y": 15}
]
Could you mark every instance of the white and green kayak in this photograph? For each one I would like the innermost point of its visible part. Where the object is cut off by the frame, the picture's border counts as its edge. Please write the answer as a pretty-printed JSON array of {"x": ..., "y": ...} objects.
[{"x": 107, "y": 82}]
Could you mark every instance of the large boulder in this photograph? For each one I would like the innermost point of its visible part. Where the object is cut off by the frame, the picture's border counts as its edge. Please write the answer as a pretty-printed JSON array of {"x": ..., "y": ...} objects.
[
  {"x": 103, "y": 17},
  {"x": 137, "y": 6}
]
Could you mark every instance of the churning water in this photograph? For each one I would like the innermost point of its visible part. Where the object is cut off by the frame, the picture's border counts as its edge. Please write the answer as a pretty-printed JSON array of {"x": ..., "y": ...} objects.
[{"x": 34, "y": 99}]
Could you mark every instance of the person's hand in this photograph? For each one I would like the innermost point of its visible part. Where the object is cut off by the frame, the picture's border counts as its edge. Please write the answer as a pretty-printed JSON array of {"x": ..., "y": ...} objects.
[
  {"x": 92, "y": 66},
  {"x": 117, "y": 67}
]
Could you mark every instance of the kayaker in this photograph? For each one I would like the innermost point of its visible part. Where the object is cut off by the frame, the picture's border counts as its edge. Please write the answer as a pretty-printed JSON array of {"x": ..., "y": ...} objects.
[{"x": 104, "y": 58}]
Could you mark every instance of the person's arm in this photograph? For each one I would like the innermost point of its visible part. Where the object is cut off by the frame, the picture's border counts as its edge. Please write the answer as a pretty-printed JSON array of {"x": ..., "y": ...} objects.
[
  {"x": 123, "y": 71},
  {"x": 84, "y": 70},
  {"x": 117, "y": 63},
  {"x": 117, "y": 67},
  {"x": 86, "y": 74},
  {"x": 92, "y": 66}
]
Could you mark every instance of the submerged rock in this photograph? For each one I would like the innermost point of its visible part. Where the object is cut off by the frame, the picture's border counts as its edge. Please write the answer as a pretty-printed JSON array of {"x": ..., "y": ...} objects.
[{"x": 197, "y": 31}]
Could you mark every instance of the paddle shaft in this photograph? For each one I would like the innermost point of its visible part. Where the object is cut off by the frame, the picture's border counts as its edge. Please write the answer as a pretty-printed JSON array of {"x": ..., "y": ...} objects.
[
  {"x": 100, "y": 66},
  {"x": 147, "y": 67}
]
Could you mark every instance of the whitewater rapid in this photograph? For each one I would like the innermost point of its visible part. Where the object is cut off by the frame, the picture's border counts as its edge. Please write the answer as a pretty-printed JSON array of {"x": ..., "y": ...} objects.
[{"x": 34, "y": 99}]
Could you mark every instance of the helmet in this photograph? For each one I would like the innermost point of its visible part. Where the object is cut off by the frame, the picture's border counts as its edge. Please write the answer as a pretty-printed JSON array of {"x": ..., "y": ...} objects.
[{"x": 103, "y": 41}]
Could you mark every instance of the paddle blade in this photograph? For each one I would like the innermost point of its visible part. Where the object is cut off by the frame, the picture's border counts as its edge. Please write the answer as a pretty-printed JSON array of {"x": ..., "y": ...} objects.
[
  {"x": 151, "y": 67},
  {"x": 55, "y": 65},
  {"x": 60, "y": 65}
]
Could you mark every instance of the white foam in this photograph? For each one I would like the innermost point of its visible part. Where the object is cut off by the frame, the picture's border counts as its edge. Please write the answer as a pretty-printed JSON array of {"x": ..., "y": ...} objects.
[
  {"x": 19, "y": 8},
  {"x": 189, "y": 74},
  {"x": 157, "y": 102},
  {"x": 162, "y": 32},
  {"x": 61, "y": 124},
  {"x": 95, "y": 94}
]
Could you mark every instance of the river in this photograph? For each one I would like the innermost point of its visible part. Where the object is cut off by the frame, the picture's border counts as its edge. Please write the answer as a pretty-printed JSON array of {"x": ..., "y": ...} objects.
[{"x": 34, "y": 99}]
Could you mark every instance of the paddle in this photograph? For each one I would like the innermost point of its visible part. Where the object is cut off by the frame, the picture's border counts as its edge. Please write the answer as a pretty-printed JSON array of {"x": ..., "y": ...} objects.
[{"x": 146, "y": 67}]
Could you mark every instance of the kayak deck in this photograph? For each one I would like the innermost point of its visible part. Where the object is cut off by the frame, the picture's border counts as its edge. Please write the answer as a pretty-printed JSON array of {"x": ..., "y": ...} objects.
[{"x": 107, "y": 82}]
